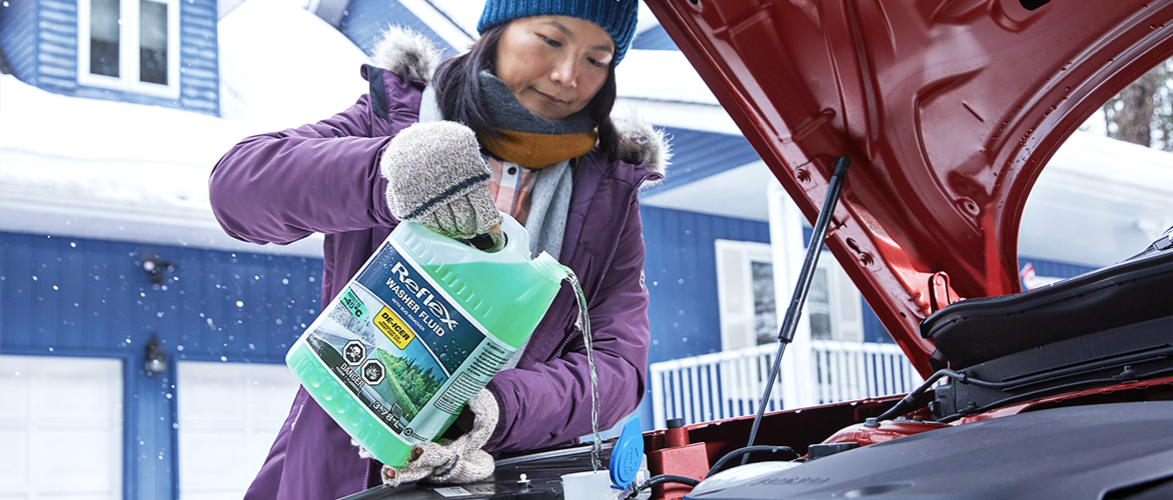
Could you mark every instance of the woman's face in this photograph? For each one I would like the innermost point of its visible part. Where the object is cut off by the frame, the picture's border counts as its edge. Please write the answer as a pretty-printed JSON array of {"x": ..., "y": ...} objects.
[{"x": 554, "y": 65}]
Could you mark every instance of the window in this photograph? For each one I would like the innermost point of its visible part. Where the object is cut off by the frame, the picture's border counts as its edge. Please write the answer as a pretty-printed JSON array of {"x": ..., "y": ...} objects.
[
  {"x": 745, "y": 292},
  {"x": 765, "y": 313},
  {"x": 818, "y": 305},
  {"x": 750, "y": 315},
  {"x": 129, "y": 45}
]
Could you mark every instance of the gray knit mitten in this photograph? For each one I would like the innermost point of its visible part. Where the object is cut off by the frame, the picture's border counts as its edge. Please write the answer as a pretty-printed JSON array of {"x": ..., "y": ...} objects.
[
  {"x": 458, "y": 462},
  {"x": 437, "y": 177}
]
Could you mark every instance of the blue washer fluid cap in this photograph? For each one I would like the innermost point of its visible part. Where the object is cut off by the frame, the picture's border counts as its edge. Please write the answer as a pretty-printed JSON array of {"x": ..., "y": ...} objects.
[{"x": 628, "y": 454}]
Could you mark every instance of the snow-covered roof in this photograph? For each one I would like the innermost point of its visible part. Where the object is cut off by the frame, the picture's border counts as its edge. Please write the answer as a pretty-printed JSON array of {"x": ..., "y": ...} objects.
[
  {"x": 665, "y": 89},
  {"x": 1098, "y": 201},
  {"x": 661, "y": 75},
  {"x": 129, "y": 172}
]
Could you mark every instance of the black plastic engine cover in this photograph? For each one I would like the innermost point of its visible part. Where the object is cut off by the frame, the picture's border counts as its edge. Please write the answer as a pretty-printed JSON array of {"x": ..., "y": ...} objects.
[
  {"x": 1139, "y": 351},
  {"x": 1118, "y": 451},
  {"x": 981, "y": 329}
]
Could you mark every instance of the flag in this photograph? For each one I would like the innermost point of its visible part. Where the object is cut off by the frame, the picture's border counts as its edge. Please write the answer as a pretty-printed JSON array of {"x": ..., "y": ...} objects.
[{"x": 1027, "y": 275}]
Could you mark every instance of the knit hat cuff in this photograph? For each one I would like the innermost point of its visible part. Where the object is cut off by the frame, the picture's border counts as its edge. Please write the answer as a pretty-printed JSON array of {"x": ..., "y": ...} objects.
[{"x": 616, "y": 17}]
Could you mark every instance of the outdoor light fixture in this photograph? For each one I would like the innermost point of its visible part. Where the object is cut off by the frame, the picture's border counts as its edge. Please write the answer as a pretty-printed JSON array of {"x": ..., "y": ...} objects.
[
  {"x": 157, "y": 268},
  {"x": 155, "y": 360}
]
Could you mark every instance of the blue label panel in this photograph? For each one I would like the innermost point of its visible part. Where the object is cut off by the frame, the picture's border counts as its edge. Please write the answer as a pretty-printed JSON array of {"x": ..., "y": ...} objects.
[{"x": 438, "y": 323}]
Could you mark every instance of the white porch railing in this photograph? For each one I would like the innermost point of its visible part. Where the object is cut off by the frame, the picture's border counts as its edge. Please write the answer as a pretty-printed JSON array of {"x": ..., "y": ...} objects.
[{"x": 729, "y": 384}]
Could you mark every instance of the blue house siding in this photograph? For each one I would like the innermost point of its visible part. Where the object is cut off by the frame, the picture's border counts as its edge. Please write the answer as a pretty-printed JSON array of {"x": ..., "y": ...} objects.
[
  {"x": 18, "y": 22},
  {"x": 365, "y": 20},
  {"x": 80, "y": 297},
  {"x": 76, "y": 296},
  {"x": 40, "y": 40},
  {"x": 681, "y": 246},
  {"x": 199, "y": 63},
  {"x": 57, "y": 46},
  {"x": 873, "y": 330},
  {"x": 681, "y": 276},
  {"x": 697, "y": 155}
]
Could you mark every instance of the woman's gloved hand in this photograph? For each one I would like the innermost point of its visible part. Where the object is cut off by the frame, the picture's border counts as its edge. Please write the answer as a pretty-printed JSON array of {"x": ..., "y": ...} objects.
[
  {"x": 460, "y": 461},
  {"x": 437, "y": 177}
]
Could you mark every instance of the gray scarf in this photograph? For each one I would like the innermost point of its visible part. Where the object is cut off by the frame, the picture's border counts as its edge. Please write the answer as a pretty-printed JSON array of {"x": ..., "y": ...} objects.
[{"x": 546, "y": 223}]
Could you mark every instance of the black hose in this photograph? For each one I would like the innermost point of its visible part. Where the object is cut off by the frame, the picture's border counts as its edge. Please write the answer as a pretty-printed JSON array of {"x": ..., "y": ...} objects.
[
  {"x": 665, "y": 478},
  {"x": 900, "y": 406},
  {"x": 745, "y": 451}
]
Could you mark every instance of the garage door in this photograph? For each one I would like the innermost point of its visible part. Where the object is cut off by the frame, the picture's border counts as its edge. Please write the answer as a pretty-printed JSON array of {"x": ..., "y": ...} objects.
[
  {"x": 229, "y": 414},
  {"x": 60, "y": 428}
]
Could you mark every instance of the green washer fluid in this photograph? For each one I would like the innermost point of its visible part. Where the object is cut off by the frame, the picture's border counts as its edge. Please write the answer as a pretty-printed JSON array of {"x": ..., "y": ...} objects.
[{"x": 421, "y": 328}]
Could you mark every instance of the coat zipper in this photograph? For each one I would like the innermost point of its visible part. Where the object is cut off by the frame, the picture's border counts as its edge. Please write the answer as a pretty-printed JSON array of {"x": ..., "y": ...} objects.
[{"x": 607, "y": 263}]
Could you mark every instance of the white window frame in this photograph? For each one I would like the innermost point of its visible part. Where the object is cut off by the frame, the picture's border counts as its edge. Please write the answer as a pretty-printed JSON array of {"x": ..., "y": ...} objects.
[
  {"x": 737, "y": 313},
  {"x": 128, "y": 47}
]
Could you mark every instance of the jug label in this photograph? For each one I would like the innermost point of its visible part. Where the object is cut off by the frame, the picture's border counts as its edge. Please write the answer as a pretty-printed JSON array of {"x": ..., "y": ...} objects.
[{"x": 416, "y": 361}]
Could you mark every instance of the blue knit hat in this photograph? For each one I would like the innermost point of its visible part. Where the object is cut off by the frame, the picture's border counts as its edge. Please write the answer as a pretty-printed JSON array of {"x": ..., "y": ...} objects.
[{"x": 616, "y": 17}]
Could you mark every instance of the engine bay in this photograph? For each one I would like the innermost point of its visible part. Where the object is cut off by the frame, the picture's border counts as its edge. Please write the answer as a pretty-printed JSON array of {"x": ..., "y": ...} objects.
[{"x": 1122, "y": 450}]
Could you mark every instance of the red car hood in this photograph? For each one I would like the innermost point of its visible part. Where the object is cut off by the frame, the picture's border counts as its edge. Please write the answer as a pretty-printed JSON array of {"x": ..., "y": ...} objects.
[{"x": 948, "y": 109}]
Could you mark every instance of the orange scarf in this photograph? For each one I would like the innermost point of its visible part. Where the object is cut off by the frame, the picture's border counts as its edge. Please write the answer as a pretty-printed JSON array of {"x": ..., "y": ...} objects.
[
  {"x": 539, "y": 150},
  {"x": 528, "y": 139}
]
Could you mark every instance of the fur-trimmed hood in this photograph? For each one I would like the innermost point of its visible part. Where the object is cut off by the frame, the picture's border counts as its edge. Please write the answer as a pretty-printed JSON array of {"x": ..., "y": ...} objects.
[{"x": 411, "y": 55}]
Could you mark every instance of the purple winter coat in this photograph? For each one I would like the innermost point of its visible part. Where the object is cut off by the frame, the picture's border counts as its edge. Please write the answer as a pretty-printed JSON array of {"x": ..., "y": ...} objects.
[{"x": 324, "y": 178}]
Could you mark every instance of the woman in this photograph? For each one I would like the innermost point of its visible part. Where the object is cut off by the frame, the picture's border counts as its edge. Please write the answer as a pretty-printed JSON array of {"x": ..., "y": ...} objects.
[{"x": 535, "y": 91}]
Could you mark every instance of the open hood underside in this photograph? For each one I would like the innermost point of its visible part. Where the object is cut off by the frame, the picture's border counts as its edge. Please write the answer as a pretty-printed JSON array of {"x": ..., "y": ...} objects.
[{"x": 948, "y": 109}]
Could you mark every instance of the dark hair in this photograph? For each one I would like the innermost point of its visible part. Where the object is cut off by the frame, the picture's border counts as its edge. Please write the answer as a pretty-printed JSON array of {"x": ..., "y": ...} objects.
[{"x": 458, "y": 94}]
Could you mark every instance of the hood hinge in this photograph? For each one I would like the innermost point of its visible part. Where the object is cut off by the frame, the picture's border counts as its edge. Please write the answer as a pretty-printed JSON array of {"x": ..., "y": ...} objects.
[{"x": 940, "y": 293}]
